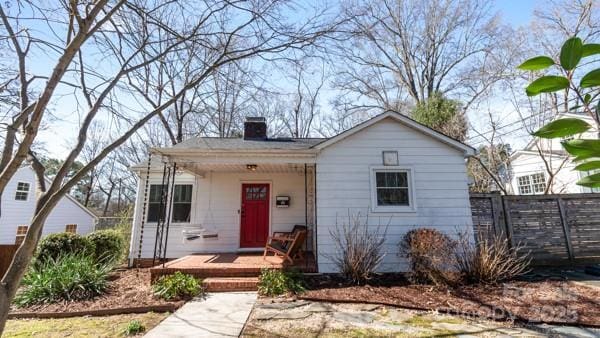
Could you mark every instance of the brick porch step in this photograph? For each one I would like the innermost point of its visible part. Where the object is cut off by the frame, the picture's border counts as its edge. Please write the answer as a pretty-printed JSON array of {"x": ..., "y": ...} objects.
[{"x": 230, "y": 284}]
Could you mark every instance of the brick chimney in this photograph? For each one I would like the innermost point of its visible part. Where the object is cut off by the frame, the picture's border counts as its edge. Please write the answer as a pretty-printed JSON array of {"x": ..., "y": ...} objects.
[{"x": 255, "y": 128}]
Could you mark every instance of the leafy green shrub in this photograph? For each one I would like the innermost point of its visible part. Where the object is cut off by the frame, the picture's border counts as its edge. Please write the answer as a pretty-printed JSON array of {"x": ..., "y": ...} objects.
[
  {"x": 134, "y": 327},
  {"x": 177, "y": 286},
  {"x": 70, "y": 277},
  {"x": 56, "y": 245},
  {"x": 108, "y": 245},
  {"x": 273, "y": 282},
  {"x": 430, "y": 254}
]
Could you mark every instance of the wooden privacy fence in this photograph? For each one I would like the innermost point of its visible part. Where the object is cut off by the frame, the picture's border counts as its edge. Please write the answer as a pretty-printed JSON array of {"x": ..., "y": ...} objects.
[
  {"x": 6, "y": 255},
  {"x": 554, "y": 229}
]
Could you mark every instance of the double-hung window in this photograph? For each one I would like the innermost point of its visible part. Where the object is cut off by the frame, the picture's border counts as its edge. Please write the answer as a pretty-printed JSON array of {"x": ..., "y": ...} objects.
[
  {"x": 391, "y": 190},
  {"x": 22, "y": 191},
  {"x": 532, "y": 184},
  {"x": 182, "y": 203},
  {"x": 155, "y": 207}
]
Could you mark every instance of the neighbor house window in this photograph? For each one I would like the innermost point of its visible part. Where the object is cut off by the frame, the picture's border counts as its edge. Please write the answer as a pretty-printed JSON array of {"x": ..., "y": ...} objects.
[
  {"x": 532, "y": 184},
  {"x": 182, "y": 203},
  {"x": 72, "y": 228},
  {"x": 21, "y": 232},
  {"x": 154, "y": 205},
  {"x": 22, "y": 191},
  {"x": 392, "y": 190}
]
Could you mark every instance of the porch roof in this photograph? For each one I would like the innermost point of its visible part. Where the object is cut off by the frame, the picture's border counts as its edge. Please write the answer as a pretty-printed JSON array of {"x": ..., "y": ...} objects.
[
  {"x": 269, "y": 168},
  {"x": 216, "y": 144}
]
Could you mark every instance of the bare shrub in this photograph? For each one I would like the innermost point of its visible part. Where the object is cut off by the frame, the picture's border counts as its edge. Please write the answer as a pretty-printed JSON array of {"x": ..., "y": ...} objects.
[
  {"x": 430, "y": 254},
  {"x": 358, "y": 248},
  {"x": 490, "y": 260}
]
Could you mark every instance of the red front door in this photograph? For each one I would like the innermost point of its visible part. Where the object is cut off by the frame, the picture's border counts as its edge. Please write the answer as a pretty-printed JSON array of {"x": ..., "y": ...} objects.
[{"x": 254, "y": 215}]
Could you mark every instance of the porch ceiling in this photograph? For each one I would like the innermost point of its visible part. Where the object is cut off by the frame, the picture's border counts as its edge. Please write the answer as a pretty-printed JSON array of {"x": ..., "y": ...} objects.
[{"x": 271, "y": 168}]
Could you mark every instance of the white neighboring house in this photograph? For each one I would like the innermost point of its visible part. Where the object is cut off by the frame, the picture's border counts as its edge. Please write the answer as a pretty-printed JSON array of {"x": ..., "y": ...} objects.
[
  {"x": 18, "y": 205},
  {"x": 230, "y": 194},
  {"x": 531, "y": 167}
]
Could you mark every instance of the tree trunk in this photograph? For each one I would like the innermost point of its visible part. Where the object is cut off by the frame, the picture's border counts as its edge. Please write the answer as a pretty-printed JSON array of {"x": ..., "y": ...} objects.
[
  {"x": 88, "y": 192},
  {"x": 120, "y": 191},
  {"x": 108, "y": 197},
  {"x": 11, "y": 279}
]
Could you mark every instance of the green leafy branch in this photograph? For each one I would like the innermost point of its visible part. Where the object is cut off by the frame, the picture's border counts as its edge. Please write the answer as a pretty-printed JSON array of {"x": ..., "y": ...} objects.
[{"x": 586, "y": 151}]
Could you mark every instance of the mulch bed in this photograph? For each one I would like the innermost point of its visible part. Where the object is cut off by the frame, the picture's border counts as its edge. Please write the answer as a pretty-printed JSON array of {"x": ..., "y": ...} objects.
[
  {"x": 129, "y": 292},
  {"x": 547, "y": 301}
]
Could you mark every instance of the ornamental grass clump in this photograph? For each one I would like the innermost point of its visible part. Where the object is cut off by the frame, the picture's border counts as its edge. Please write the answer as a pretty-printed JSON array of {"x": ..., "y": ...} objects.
[
  {"x": 359, "y": 248},
  {"x": 69, "y": 277},
  {"x": 490, "y": 260}
]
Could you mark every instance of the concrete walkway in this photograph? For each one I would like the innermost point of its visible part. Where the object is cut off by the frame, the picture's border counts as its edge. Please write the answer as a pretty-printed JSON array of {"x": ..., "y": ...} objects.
[{"x": 216, "y": 315}]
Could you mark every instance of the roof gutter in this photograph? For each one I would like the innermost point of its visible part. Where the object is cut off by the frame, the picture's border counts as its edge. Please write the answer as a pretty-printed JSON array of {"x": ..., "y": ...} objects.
[{"x": 228, "y": 152}]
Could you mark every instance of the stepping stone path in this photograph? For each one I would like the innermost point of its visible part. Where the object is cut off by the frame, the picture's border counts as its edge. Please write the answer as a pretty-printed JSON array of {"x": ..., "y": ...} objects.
[
  {"x": 283, "y": 305},
  {"x": 571, "y": 331},
  {"x": 292, "y": 315},
  {"x": 319, "y": 307},
  {"x": 354, "y": 318},
  {"x": 307, "y": 318}
]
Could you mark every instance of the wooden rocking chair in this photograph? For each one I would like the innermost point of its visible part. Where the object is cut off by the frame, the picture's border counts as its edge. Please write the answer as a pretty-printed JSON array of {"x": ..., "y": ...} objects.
[{"x": 287, "y": 244}]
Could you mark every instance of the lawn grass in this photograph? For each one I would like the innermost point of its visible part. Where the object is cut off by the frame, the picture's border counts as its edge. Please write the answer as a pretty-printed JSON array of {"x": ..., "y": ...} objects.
[{"x": 109, "y": 326}]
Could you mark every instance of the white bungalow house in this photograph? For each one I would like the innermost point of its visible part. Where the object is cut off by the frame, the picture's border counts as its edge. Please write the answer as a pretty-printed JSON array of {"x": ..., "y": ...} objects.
[
  {"x": 18, "y": 206},
  {"x": 230, "y": 194},
  {"x": 532, "y": 166}
]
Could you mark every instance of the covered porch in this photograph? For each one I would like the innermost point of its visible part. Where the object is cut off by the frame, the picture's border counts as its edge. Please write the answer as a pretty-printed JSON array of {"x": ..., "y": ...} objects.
[{"x": 215, "y": 211}]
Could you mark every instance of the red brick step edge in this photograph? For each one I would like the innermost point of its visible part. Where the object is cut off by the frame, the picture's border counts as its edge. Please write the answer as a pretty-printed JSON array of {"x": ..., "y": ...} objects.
[{"x": 230, "y": 284}]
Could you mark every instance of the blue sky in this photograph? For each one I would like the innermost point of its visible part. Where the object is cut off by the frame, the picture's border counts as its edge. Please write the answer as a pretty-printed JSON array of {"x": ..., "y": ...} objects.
[
  {"x": 55, "y": 138},
  {"x": 517, "y": 12}
]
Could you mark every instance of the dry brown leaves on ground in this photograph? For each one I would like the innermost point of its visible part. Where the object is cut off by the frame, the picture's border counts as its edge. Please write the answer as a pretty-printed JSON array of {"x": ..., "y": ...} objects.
[{"x": 127, "y": 288}]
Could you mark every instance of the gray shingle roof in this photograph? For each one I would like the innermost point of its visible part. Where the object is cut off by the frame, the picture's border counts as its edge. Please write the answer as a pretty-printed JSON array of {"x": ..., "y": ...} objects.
[{"x": 216, "y": 143}]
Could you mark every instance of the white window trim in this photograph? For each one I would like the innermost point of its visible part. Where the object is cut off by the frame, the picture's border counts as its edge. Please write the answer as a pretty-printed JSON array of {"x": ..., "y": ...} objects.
[
  {"x": 28, "y": 191},
  {"x": 192, "y": 211},
  {"x": 412, "y": 207},
  {"x": 172, "y": 204},
  {"x": 531, "y": 185}
]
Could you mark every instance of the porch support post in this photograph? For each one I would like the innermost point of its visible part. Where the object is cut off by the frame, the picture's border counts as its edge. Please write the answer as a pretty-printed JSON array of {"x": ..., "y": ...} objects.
[
  {"x": 160, "y": 219},
  {"x": 305, "y": 203},
  {"x": 164, "y": 258},
  {"x": 315, "y": 236}
]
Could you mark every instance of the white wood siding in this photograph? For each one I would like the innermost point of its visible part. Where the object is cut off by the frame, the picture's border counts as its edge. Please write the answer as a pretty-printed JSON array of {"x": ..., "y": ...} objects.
[
  {"x": 564, "y": 180},
  {"x": 215, "y": 206},
  {"x": 343, "y": 185},
  {"x": 15, "y": 213}
]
